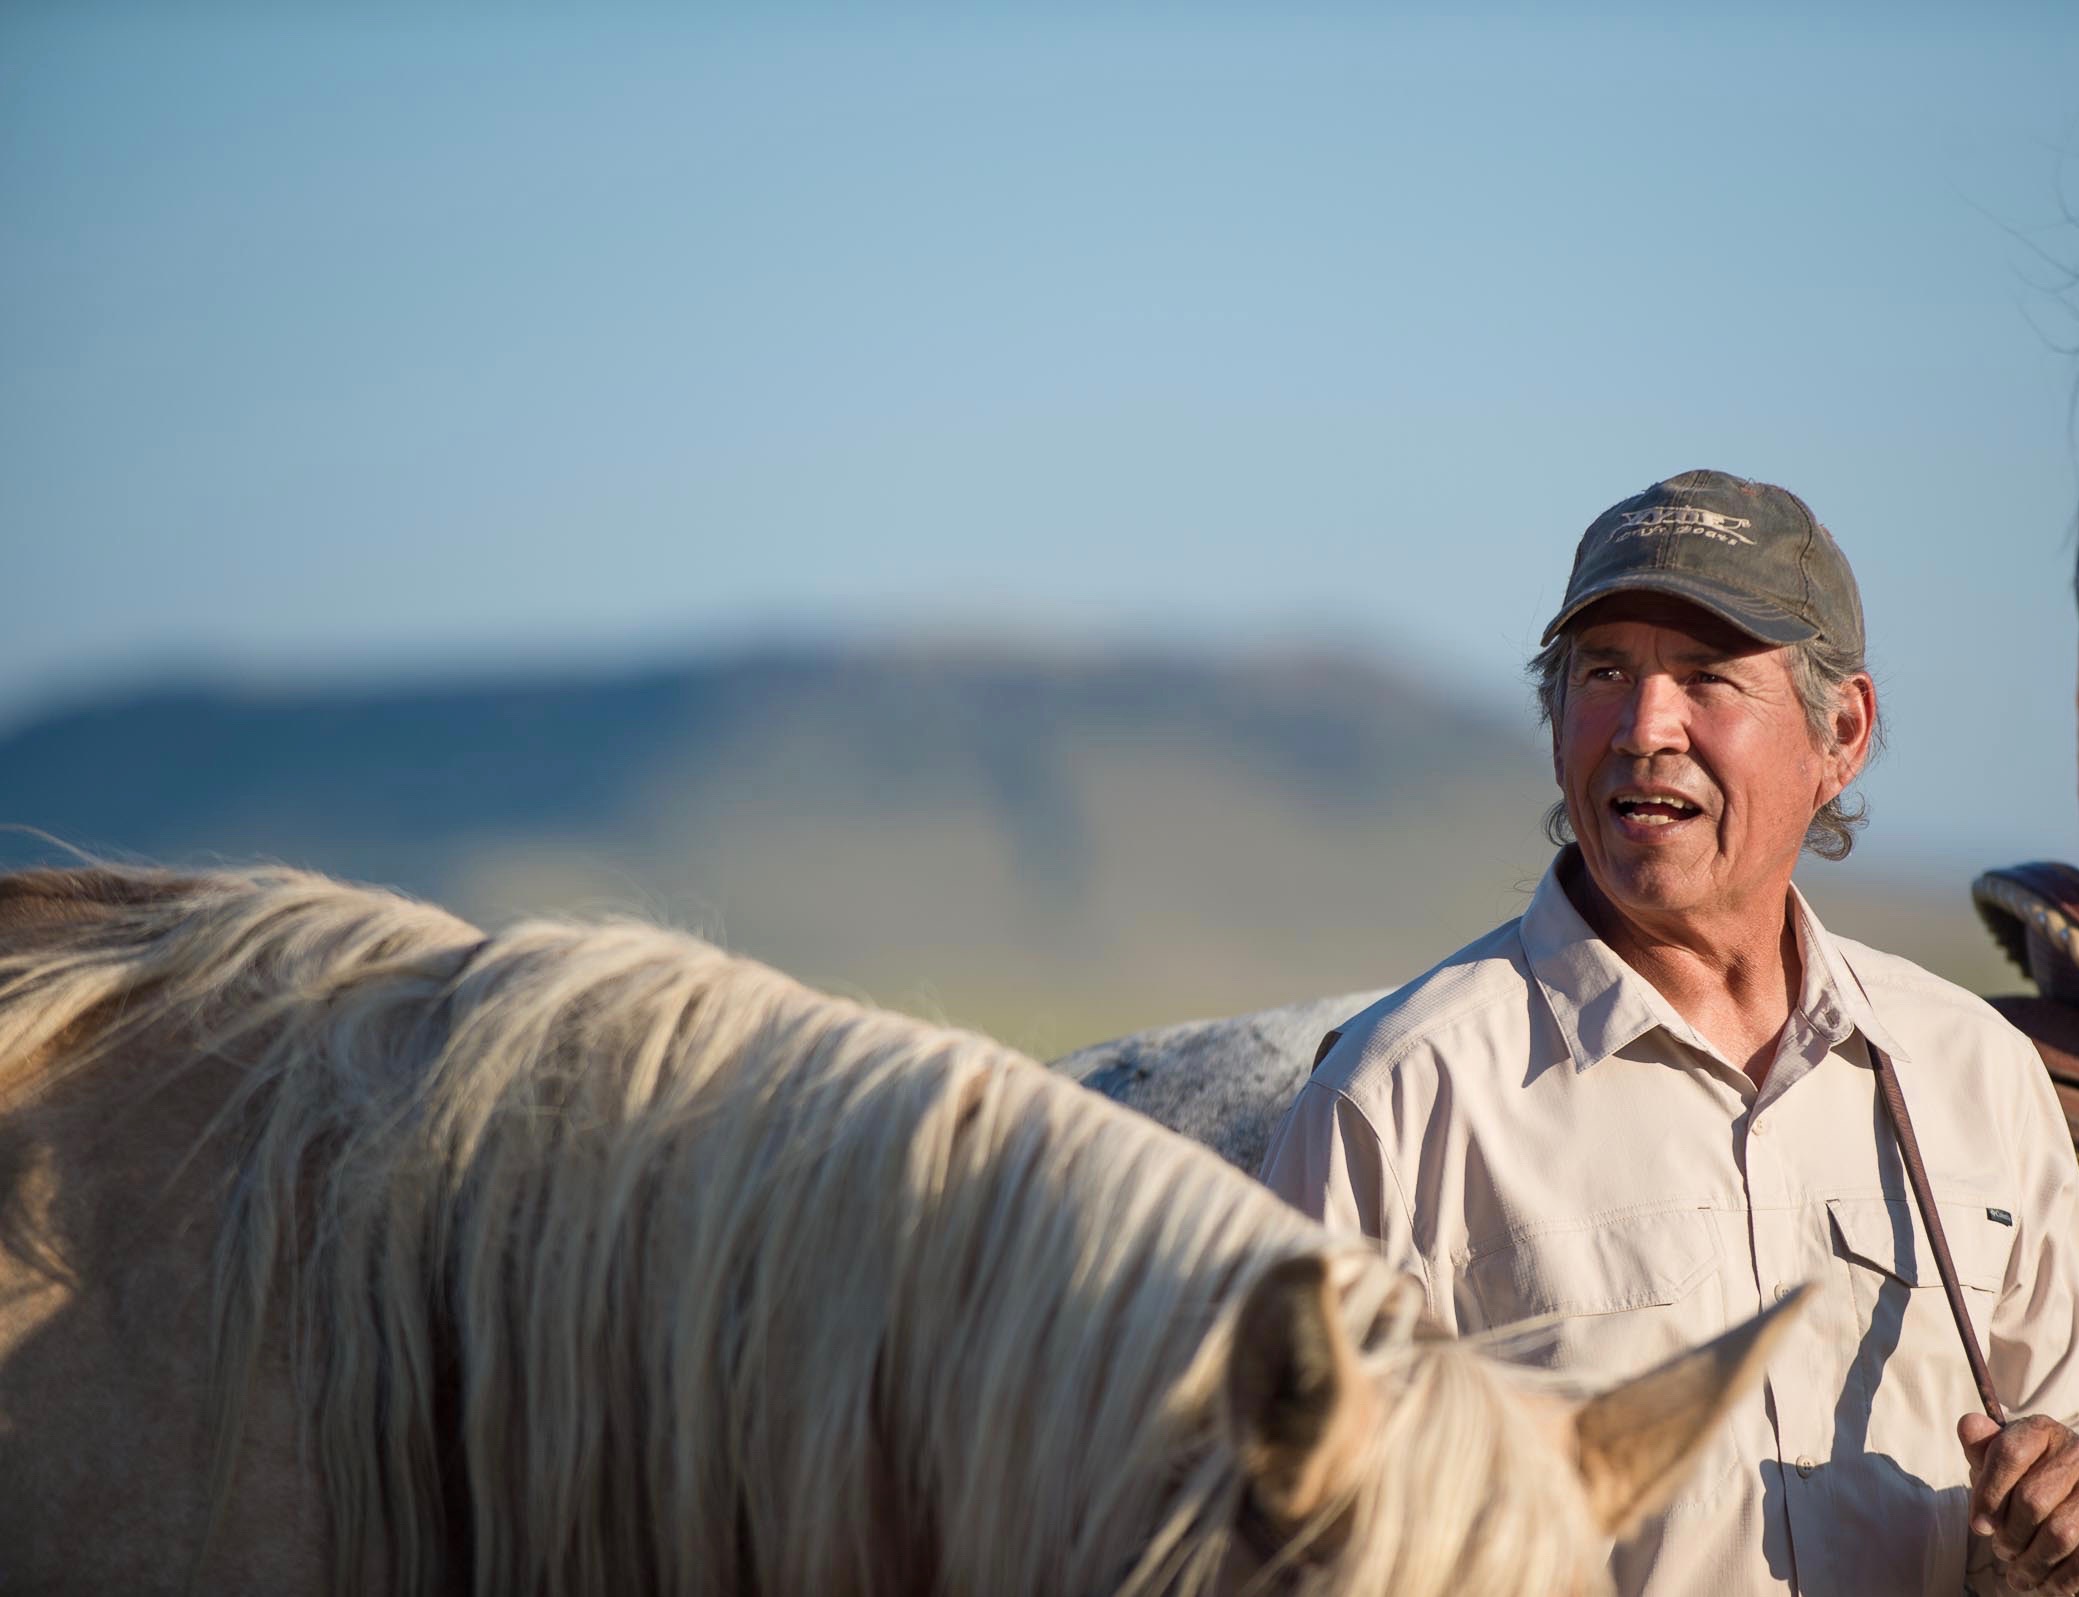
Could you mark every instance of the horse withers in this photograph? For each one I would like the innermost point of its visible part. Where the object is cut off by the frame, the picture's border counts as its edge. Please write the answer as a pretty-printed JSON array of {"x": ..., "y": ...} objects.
[{"x": 344, "y": 1249}]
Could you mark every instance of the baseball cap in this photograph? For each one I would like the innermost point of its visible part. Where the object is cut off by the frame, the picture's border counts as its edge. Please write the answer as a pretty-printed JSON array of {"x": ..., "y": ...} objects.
[{"x": 1750, "y": 553}]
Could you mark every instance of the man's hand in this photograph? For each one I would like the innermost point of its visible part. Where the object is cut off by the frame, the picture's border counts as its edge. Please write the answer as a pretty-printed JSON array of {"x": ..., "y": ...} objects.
[{"x": 2023, "y": 1496}]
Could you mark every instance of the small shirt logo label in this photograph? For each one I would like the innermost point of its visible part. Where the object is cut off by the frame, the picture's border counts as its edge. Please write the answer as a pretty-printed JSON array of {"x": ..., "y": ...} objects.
[
  {"x": 1683, "y": 522},
  {"x": 1999, "y": 1216}
]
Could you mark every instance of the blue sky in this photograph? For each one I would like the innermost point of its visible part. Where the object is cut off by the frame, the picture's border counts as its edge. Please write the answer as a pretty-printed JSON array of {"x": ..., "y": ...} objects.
[{"x": 421, "y": 337}]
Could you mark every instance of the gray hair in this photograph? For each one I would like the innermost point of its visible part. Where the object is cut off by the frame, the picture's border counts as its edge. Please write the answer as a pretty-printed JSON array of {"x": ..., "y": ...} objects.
[{"x": 1818, "y": 668}]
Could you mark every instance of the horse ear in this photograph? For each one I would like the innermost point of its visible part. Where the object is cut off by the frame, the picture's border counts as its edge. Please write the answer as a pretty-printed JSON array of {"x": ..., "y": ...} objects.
[
  {"x": 1637, "y": 1441},
  {"x": 1299, "y": 1404}
]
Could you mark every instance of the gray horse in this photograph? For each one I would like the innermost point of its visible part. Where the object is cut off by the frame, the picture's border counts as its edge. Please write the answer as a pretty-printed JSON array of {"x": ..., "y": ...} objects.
[{"x": 1223, "y": 1083}]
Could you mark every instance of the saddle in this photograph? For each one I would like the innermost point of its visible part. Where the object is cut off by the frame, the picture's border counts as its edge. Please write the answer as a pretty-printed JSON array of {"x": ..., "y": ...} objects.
[{"x": 2032, "y": 912}]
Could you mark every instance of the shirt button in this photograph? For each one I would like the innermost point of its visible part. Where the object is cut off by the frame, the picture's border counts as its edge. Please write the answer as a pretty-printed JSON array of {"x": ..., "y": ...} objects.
[
  {"x": 1805, "y": 1466},
  {"x": 1757, "y": 1128},
  {"x": 1782, "y": 1292}
]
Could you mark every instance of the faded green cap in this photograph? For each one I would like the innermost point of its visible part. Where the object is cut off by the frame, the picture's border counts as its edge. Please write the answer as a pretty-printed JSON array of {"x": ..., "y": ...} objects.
[{"x": 1750, "y": 553}]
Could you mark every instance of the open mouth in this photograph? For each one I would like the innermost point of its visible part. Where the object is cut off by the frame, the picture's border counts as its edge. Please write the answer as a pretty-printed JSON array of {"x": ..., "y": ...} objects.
[{"x": 1654, "y": 808}]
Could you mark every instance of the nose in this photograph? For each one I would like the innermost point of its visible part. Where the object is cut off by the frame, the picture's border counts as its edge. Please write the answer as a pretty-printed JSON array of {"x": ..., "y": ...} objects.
[{"x": 1655, "y": 719}]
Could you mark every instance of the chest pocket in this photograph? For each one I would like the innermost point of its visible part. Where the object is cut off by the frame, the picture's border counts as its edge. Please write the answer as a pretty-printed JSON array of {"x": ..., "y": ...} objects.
[
  {"x": 1886, "y": 1248},
  {"x": 1607, "y": 1298},
  {"x": 1603, "y": 1269}
]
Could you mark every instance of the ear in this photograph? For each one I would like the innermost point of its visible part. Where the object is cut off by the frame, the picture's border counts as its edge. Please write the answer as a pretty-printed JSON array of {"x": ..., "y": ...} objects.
[
  {"x": 1855, "y": 724},
  {"x": 1638, "y": 1440},
  {"x": 1298, "y": 1403}
]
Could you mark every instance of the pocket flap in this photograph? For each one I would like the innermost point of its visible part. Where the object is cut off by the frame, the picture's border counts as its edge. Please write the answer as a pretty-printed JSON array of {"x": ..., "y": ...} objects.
[
  {"x": 1887, "y": 1235},
  {"x": 1595, "y": 1266}
]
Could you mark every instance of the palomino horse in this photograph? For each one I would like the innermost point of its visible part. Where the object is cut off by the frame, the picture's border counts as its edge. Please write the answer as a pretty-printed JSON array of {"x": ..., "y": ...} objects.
[{"x": 345, "y": 1249}]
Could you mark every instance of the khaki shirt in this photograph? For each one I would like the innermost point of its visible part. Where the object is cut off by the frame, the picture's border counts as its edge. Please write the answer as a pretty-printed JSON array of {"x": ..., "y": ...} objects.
[{"x": 1534, "y": 1131}]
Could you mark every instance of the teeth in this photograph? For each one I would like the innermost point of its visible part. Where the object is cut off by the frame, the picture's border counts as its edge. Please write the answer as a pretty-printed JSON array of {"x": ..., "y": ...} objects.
[{"x": 1629, "y": 800}]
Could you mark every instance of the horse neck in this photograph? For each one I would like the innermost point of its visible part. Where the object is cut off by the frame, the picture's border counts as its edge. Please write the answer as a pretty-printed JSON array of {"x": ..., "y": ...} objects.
[{"x": 1049, "y": 1418}]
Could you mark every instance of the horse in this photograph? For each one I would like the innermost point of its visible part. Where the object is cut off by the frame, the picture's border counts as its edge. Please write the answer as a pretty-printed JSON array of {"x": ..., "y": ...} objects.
[
  {"x": 344, "y": 1248},
  {"x": 1223, "y": 1083}
]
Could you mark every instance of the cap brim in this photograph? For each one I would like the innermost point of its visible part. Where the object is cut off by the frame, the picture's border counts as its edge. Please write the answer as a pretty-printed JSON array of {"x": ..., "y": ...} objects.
[{"x": 1760, "y": 620}]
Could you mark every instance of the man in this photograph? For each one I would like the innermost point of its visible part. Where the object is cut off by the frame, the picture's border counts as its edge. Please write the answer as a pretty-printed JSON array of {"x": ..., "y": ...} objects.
[{"x": 1647, "y": 1108}]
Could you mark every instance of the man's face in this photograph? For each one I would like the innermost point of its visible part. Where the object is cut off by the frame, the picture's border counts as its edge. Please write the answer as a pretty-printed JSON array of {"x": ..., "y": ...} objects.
[{"x": 1688, "y": 766}]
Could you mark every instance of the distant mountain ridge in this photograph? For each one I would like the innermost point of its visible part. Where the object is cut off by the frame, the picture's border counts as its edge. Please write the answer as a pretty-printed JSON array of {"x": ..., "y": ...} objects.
[{"x": 1051, "y": 845}]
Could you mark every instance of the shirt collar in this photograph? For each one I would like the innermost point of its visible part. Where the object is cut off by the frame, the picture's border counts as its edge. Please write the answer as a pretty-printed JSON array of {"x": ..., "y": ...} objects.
[
  {"x": 1601, "y": 1004},
  {"x": 1831, "y": 998}
]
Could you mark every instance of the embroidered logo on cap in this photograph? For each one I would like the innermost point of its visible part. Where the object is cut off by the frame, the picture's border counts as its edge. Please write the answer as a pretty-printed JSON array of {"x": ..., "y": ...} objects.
[{"x": 1686, "y": 522}]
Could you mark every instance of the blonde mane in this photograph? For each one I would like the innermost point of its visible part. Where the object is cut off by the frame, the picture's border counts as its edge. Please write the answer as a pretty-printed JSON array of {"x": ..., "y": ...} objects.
[{"x": 610, "y": 1262}]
